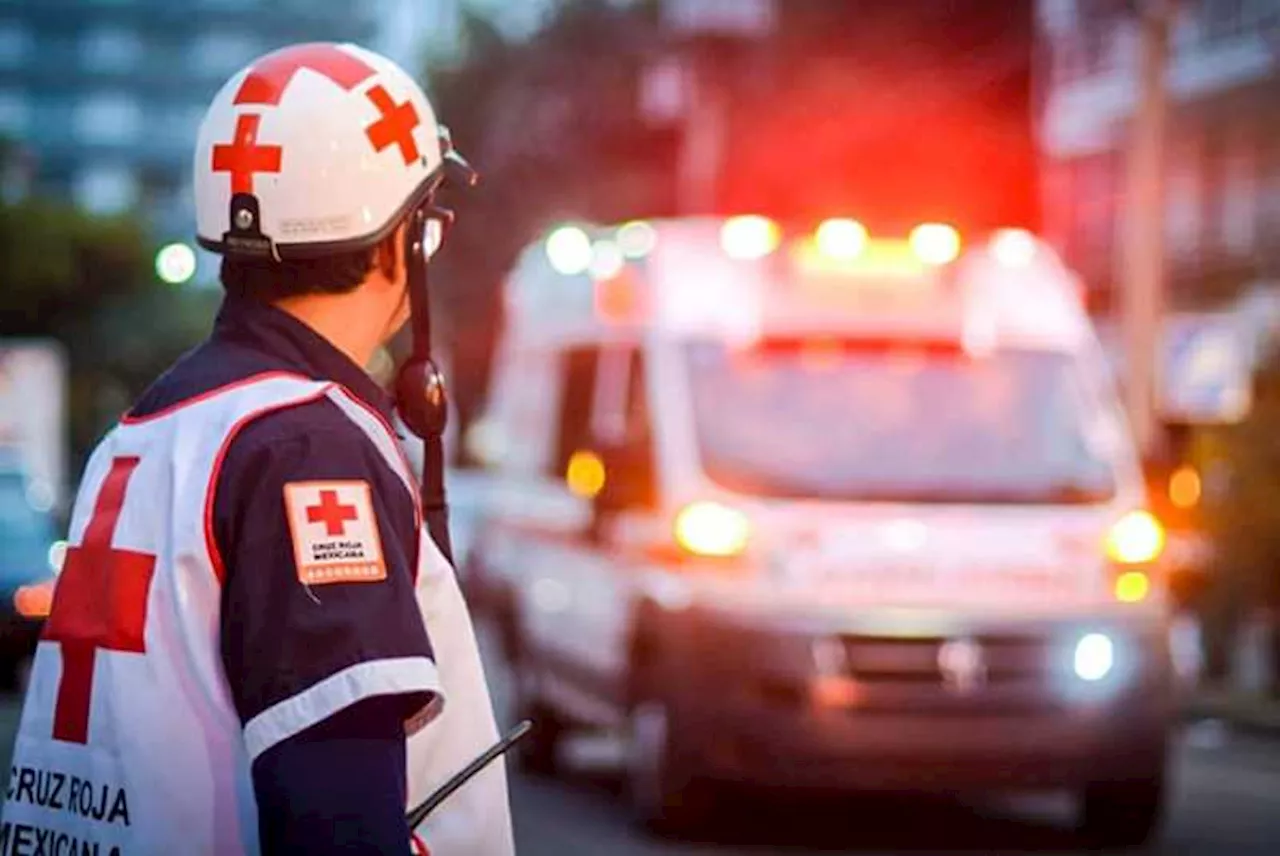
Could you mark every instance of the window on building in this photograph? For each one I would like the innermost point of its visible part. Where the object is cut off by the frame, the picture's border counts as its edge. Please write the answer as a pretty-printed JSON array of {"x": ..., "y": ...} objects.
[
  {"x": 1239, "y": 202},
  {"x": 15, "y": 44},
  {"x": 223, "y": 53},
  {"x": 1183, "y": 224},
  {"x": 1217, "y": 20},
  {"x": 105, "y": 189},
  {"x": 1096, "y": 27},
  {"x": 1098, "y": 217},
  {"x": 110, "y": 49},
  {"x": 108, "y": 118},
  {"x": 1223, "y": 19},
  {"x": 14, "y": 113},
  {"x": 1231, "y": 205},
  {"x": 1095, "y": 48},
  {"x": 1269, "y": 213},
  {"x": 176, "y": 123},
  {"x": 1066, "y": 61}
]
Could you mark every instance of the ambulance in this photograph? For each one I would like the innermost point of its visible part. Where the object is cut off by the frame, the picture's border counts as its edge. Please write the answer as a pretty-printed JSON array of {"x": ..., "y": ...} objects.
[{"x": 813, "y": 507}]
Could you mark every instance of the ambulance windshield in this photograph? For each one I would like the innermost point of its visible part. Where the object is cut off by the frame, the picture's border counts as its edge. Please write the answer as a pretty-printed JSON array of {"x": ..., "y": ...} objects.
[{"x": 895, "y": 422}]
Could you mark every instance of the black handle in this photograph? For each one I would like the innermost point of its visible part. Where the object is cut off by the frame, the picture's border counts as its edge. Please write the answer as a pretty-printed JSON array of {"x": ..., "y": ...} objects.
[{"x": 419, "y": 814}]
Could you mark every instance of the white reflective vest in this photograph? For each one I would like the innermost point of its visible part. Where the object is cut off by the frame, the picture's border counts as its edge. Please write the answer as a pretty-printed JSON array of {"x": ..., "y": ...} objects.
[{"x": 129, "y": 741}]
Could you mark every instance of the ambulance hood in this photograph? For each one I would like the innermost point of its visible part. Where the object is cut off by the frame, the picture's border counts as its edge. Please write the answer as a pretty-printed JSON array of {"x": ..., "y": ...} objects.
[{"x": 980, "y": 559}]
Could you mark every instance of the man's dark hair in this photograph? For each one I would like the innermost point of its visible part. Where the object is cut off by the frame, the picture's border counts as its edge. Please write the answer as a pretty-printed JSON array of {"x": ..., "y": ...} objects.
[{"x": 269, "y": 280}]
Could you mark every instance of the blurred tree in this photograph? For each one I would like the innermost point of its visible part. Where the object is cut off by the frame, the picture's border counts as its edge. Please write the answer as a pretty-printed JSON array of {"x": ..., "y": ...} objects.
[
  {"x": 1246, "y": 528},
  {"x": 551, "y": 124},
  {"x": 87, "y": 281}
]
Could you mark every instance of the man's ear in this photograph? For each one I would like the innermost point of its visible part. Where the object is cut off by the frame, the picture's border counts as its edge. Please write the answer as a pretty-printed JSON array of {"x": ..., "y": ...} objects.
[{"x": 389, "y": 254}]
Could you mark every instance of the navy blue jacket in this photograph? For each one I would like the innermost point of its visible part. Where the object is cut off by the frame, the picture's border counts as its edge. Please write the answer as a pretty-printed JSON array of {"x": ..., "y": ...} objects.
[{"x": 338, "y": 787}]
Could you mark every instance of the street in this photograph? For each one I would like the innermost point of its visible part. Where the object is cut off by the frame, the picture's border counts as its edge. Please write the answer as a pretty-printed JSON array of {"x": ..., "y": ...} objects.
[{"x": 1226, "y": 803}]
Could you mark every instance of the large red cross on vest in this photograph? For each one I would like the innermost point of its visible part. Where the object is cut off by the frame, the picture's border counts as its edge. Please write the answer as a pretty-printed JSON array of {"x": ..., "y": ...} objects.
[{"x": 100, "y": 603}]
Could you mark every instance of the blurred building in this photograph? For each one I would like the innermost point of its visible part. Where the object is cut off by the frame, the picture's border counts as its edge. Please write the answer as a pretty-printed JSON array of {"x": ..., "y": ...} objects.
[
  {"x": 104, "y": 98},
  {"x": 408, "y": 31},
  {"x": 1222, "y": 215}
]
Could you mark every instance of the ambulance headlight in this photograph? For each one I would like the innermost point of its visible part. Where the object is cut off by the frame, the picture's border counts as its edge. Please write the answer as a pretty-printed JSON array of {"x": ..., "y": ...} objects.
[
  {"x": 1137, "y": 538},
  {"x": 712, "y": 530},
  {"x": 1095, "y": 657}
]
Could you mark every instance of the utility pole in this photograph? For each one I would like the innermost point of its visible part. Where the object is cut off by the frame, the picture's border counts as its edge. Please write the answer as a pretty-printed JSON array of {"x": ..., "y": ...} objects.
[
  {"x": 713, "y": 34},
  {"x": 698, "y": 172},
  {"x": 1142, "y": 274}
]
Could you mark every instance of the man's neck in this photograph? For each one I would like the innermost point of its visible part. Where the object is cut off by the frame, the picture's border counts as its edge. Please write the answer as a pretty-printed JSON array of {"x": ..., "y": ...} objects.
[{"x": 339, "y": 318}]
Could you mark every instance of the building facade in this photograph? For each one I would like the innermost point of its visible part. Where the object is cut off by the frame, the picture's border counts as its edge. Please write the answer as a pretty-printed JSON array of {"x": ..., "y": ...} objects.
[
  {"x": 1222, "y": 145},
  {"x": 102, "y": 98}
]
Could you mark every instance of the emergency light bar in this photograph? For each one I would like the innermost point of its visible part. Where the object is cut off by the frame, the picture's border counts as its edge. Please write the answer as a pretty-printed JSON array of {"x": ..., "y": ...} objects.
[
  {"x": 742, "y": 272},
  {"x": 749, "y": 237},
  {"x": 840, "y": 238},
  {"x": 935, "y": 243},
  {"x": 573, "y": 250},
  {"x": 876, "y": 259}
]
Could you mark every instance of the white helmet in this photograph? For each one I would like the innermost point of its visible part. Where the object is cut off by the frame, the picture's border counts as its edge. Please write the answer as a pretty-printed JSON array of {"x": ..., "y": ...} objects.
[{"x": 316, "y": 149}]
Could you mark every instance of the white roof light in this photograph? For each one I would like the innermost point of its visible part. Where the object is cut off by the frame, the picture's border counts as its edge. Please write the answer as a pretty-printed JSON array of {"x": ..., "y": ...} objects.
[
  {"x": 1014, "y": 247},
  {"x": 569, "y": 250}
]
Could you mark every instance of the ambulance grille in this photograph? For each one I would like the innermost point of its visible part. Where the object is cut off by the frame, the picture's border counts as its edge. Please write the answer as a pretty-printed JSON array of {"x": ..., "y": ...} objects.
[{"x": 1017, "y": 674}]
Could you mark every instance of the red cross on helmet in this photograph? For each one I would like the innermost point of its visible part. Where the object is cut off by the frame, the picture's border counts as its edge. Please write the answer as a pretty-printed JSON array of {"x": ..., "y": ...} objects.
[{"x": 315, "y": 149}]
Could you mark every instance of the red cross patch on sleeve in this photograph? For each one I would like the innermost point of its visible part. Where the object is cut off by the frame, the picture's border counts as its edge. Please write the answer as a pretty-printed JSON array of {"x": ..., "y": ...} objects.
[{"x": 335, "y": 532}]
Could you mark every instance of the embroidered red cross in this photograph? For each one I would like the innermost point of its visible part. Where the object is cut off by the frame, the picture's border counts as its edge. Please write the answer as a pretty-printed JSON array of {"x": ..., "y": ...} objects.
[
  {"x": 331, "y": 513},
  {"x": 267, "y": 81},
  {"x": 396, "y": 125},
  {"x": 244, "y": 157},
  {"x": 100, "y": 603}
]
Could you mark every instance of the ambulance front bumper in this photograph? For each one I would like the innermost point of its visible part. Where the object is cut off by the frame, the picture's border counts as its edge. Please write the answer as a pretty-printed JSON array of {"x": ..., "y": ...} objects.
[{"x": 883, "y": 714}]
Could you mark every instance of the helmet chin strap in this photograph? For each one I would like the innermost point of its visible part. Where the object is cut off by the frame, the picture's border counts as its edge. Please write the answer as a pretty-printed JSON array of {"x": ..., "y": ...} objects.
[{"x": 420, "y": 392}]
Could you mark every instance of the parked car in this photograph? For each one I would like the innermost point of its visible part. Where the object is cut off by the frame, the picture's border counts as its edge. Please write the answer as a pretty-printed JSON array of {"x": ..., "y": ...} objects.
[{"x": 29, "y": 556}]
